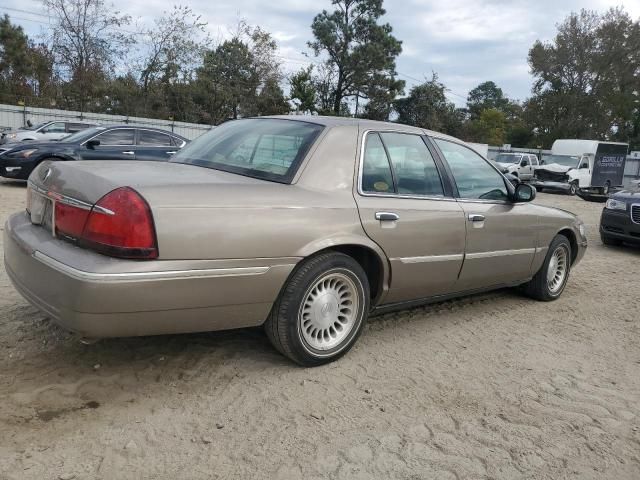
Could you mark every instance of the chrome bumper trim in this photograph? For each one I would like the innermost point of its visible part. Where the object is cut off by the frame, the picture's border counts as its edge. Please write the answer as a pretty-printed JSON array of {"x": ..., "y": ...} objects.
[
  {"x": 501, "y": 253},
  {"x": 135, "y": 276},
  {"x": 431, "y": 258}
]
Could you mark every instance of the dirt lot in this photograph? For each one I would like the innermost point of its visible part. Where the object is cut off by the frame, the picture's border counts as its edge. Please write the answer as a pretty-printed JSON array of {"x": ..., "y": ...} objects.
[{"x": 493, "y": 386}]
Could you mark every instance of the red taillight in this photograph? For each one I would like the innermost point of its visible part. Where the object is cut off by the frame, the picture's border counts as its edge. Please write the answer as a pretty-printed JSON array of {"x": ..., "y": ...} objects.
[
  {"x": 120, "y": 224},
  {"x": 70, "y": 220}
]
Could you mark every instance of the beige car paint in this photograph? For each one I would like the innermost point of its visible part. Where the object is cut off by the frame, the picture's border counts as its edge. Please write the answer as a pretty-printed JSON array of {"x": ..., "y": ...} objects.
[{"x": 218, "y": 224}]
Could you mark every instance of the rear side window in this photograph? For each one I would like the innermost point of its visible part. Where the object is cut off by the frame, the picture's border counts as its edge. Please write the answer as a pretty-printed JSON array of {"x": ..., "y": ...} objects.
[
  {"x": 76, "y": 127},
  {"x": 119, "y": 137},
  {"x": 270, "y": 149},
  {"x": 153, "y": 139},
  {"x": 376, "y": 170},
  {"x": 474, "y": 177},
  {"x": 399, "y": 163},
  {"x": 413, "y": 166}
]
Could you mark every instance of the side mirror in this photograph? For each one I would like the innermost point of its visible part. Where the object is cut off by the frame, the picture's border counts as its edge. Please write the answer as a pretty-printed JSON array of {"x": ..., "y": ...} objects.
[
  {"x": 523, "y": 163},
  {"x": 584, "y": 165},
  {"x": 524, "y": 193},
  {"x": 92, "y": 144},
  {"x": 541, "y": 162}
]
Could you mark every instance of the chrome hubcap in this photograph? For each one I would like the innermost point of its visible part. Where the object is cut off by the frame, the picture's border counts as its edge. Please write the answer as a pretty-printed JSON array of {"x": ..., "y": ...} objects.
[
  {"x": 329, "y": 311},
  {"x": 557, "y": 270}
]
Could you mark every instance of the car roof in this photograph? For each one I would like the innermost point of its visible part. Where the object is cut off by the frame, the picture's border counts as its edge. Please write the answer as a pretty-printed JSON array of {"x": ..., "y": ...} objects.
[
  {"x": 142, "y": 127},
  {"x": 362, "y": 123}
]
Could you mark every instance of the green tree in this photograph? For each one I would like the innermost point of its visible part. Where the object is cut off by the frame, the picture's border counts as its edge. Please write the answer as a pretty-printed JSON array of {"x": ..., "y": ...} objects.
[
  {"x": 427, "y": 106},
  {"x": 587, "y": 81},
  {"x": 358, "y": 48},
  {"x": 25, "y": 69},
  {"x": 229, "y": 80},
  {"x": 303, "y": 91},
  {"x": 490, "y": 127},
  {"x": 484, "y": 96}
]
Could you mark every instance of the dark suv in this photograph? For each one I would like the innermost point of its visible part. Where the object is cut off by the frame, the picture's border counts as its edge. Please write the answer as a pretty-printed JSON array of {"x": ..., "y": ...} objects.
[
  {"x": 620, "y": 221},
  {"x": 121, "y": 142}
]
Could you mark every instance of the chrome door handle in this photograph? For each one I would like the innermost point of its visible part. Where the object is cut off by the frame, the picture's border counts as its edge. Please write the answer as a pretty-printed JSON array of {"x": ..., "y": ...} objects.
[
  {"x": 171, "y": 152},
  {"x": 129, "y": 152},
  {"x": 476, "y": 217},
  {"x": 387, "y": 216}
]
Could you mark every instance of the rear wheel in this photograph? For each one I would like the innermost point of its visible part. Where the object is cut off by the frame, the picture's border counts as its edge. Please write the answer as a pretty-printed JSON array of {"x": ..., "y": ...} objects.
[
  {"x": 548, "y": 284},
  {"x": 321, "y": 310},
  {"x": 610, "y": 241}
]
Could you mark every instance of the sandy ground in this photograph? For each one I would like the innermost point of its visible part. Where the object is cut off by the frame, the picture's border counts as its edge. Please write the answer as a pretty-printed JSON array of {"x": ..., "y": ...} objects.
[{"x": 493, "y": 386}]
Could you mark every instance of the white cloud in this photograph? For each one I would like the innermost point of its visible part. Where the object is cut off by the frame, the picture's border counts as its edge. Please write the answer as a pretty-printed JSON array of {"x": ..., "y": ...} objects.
[{"x": 464, "y": 41}]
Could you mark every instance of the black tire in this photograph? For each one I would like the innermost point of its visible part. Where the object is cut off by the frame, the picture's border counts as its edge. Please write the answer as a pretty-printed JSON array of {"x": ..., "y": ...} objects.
[
  {"x": 573, "y": 188},
  {"x": 283, "y": 327},
  {"x": 538, "y": 287},
  {"x": 609, "y": 241}
]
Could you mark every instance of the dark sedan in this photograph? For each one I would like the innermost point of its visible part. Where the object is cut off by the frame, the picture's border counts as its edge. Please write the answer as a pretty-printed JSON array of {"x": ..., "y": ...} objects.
[
  {"x": 122, "y": 142},
  {"x": 620, "y": 221}
]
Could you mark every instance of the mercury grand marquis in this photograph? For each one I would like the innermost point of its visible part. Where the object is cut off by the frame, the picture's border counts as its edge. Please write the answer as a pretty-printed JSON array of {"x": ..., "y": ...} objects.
[{"x": 305, "y": 225}]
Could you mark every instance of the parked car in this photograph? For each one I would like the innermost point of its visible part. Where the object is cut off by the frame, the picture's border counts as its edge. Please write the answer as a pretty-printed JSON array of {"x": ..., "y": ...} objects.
[
  {"x": 521, "y": 165},
  {"x": 583, "y": 167},
  {"x": 46, "y": 131},
  {"x": 122, "y": 142},
  {"x": 620, "y": 220},
  {"x": 305, "y": 225}
]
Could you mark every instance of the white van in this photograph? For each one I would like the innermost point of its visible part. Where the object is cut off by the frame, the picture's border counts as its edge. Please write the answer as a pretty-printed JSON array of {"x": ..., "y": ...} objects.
[{"x": 584, "y": 167}]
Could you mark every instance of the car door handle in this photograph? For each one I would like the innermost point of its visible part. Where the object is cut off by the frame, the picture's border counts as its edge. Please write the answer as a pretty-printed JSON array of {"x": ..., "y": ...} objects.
[
  {"x": 387, "y": 216},
  {"x": 476, "y": 217},
  {"x": 170, "y": 152},
  {"x": 129, "y": 152}
]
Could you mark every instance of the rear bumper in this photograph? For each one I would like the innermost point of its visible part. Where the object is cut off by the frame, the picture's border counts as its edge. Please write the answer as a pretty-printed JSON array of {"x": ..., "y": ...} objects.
[
  {"x": 98, "y": 296},
  {"x": 618, "y": 225}
]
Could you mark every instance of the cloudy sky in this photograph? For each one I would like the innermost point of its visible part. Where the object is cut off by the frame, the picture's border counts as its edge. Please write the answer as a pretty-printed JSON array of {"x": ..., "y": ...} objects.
[{"x": 465, "y": 41}]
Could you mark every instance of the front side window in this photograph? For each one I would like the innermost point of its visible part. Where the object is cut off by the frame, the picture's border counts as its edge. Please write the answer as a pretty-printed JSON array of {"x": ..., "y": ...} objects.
[
  {"x": 119, "y": 137},
  {"x": 270, "y": 149},
  {"x": 474, "y": 177}
]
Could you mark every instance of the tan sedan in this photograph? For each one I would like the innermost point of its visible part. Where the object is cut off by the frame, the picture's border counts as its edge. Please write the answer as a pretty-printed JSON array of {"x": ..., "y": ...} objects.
[{"x": 304, "y": 224}]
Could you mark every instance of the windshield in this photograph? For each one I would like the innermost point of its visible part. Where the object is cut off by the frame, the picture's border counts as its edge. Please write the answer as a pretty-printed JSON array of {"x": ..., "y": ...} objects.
[
  {"x": 564, "y": 160},
  {"x": 508, "y": 158},
  {"x": 270, "y": 149},
  {"x": 82, "y": 135}
]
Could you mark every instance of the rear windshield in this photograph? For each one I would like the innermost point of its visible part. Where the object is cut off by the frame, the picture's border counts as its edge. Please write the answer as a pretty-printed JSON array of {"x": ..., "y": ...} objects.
[{"x": 268, "y": 148}]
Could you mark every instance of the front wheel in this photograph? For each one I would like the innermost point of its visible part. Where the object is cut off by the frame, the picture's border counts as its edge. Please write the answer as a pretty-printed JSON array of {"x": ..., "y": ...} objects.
[
  {"x": 321, "y": 310},
  {"x": 573, "y": 188},
  {"x": 548, "y": 284}
]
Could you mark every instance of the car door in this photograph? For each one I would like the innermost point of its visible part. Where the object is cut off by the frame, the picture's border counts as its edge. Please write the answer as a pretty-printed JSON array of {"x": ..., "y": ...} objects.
[
  {"x": 407, "y": 209},
  {"x": 115, "y": 144},
  {"x": 154, "y": 145},
  {"x": 501, "y": 236},
  {"x": 525, "y": 168},
  {"x": 583, "y": 172}
]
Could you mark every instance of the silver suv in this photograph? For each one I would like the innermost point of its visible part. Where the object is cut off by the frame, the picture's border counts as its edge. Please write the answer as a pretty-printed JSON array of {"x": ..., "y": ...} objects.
[{"x": 54, "y": 130}]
